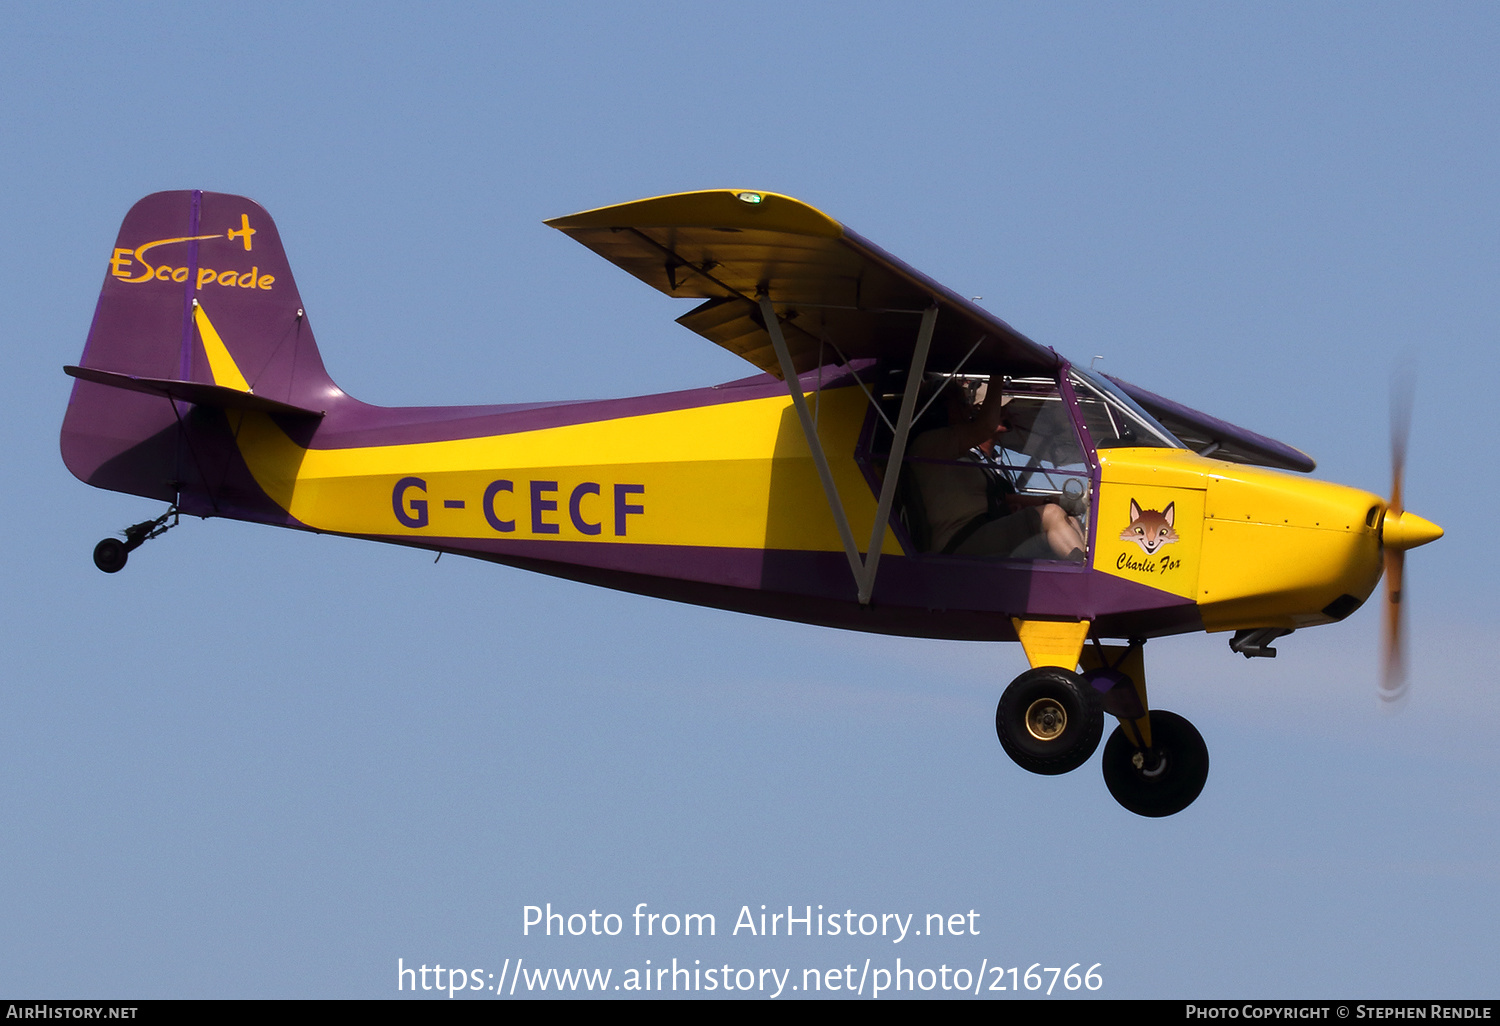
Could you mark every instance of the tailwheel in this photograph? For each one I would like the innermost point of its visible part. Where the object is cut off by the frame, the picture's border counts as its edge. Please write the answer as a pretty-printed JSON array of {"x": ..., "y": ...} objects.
[
  {"x": 1049, "y": 720},
  {"x": 110, "y": 555},
  {"x": 1164, "y": 779}
]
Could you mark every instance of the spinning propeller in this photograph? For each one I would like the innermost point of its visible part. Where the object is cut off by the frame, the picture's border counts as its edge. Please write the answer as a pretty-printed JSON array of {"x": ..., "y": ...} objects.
[{"x": 1399, "y": 531}]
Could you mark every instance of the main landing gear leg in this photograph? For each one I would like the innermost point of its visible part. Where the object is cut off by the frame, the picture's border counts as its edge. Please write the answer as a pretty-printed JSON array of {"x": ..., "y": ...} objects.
[
  {"x": 1049, "y": 720},
  {"x": 1155, "y": 762},
  {"x": 111, "y": 553}
]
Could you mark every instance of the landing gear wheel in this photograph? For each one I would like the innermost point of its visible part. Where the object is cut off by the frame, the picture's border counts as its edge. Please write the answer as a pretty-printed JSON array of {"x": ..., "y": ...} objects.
[
  {"x": 1049, "y": 720},
  {"x": 1169, "y": 776},
  {"x": 110, "y": 555}
]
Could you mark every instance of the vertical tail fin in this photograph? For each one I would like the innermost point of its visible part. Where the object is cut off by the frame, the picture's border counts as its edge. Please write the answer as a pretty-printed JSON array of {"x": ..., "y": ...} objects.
[{"x": 198, "y": 307}]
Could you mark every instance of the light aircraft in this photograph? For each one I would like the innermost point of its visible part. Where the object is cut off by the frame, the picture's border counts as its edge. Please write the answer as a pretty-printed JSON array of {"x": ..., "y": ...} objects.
[{"x": 903, "y": 462}]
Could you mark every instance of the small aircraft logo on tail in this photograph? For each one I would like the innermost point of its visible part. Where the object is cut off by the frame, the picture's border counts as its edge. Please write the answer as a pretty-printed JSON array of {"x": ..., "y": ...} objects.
[
  {"x": 1150, "y": 528},
  {"x": 244, "y": 231}
]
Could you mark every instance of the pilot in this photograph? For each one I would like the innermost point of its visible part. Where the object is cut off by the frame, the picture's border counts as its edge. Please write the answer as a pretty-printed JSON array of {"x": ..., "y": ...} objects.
[{"x": 972, "y": 508}]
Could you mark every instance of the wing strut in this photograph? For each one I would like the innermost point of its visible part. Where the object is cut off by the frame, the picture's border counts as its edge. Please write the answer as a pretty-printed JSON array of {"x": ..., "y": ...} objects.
[{"x": 863, "y": 569}]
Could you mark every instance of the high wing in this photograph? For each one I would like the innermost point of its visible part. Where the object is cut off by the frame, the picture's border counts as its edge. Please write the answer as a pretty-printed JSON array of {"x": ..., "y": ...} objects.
[
  {"x": 790, "y": 289},
  {"x": 838, "y": 295},
  {"x": 1210, "y": 436},
  {"x": 835, "y": 293}
]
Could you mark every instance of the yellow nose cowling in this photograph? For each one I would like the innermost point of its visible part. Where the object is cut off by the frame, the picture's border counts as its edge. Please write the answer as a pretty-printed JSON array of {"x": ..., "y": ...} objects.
[{"x": 1406, "y": 530}]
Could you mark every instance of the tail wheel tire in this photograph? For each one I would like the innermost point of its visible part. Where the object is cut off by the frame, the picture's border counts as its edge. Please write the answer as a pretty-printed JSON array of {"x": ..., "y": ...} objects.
[
  {"x": 1164, "y": 780},
  {"x": 110, "y": 555},
  {"x": 1049, "y": 721}
]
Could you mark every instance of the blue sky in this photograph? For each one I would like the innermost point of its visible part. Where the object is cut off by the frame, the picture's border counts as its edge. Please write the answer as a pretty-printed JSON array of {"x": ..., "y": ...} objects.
[{"x": 262, "y": 764}]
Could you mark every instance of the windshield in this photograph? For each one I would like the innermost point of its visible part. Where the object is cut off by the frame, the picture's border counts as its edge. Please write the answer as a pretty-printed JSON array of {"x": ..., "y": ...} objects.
[{"x": 1113, "y": 418}]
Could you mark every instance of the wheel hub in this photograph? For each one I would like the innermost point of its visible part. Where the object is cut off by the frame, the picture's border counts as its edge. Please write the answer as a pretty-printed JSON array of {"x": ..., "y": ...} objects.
[
  {"x": 1150, "y": 765},
  {"x": 1046, "y": 719}
]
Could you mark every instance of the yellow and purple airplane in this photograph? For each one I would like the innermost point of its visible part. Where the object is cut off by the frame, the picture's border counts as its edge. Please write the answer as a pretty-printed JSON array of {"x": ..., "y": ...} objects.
[{"x": 903, "y": 462}]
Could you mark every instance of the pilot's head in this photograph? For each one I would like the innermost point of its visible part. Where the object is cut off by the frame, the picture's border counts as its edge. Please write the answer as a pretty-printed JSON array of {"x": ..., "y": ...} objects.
[{"x": 966, "y": 401}]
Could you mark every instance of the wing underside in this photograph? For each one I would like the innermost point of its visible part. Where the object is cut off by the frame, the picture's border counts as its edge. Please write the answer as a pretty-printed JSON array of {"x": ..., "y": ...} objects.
[
  {"x": 1210, "y": 436},
  {"x": 837, "y": 295}
]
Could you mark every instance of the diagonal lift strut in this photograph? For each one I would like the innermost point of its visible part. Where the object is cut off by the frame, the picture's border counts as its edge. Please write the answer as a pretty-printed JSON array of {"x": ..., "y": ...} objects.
[{"x": 863, "y": 568}]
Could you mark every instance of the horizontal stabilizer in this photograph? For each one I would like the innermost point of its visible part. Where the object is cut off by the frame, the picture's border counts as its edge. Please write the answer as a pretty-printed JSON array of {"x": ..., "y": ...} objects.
[{"x": 195, "y": 392}]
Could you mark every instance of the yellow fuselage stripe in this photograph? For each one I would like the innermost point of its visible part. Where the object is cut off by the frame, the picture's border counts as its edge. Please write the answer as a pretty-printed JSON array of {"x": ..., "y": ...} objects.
[{"x": 733, "y": 475}]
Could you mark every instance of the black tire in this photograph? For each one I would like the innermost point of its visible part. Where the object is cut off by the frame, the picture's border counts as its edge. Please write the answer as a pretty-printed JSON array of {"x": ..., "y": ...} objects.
[
  {"x": 1049, "y": 721},
  {"x": 110, "y": 555},
  {"x": 1172, "y": 774}
]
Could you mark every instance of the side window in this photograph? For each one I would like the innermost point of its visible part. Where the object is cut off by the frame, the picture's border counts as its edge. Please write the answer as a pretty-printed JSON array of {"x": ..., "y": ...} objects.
[
  {"x": 993, "y": 469},
  {"x": 1041, "y": 450}
]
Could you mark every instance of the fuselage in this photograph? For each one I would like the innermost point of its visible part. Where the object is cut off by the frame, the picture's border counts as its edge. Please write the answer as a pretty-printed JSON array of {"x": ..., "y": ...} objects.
[{"x": 711, "y": 496}]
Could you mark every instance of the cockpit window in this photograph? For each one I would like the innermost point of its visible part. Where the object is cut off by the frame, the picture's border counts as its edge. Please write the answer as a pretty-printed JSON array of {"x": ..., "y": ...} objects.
[
  {"x": 1113, "y": 418},
  {"x": 993, "y": 468}
]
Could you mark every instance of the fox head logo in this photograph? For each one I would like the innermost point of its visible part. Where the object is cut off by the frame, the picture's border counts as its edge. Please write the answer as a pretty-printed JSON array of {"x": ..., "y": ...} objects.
[{"x": 1149, "y": 528}]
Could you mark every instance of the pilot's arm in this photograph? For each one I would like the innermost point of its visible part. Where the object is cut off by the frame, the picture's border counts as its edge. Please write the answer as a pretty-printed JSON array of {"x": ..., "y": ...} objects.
[{"x": 969, "y": 426}]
